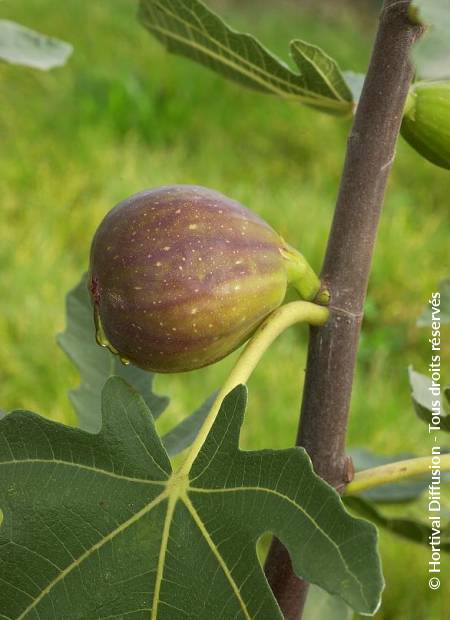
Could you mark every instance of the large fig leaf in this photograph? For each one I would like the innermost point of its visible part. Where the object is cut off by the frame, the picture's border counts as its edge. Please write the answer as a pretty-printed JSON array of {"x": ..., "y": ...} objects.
[
  {"x": 189, "y": 28},
  {"x": 97, "y": 526},
  {"x": 21, "y": 46}
]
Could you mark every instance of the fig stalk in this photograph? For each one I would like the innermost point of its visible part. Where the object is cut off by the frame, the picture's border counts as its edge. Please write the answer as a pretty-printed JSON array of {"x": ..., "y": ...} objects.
[{"x": 302, "y": 277}]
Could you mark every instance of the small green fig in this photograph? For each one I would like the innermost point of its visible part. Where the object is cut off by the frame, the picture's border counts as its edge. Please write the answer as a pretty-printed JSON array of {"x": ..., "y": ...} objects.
[
  {"x": 181, "y": 275},
  {"x": 426, "y": 121}
]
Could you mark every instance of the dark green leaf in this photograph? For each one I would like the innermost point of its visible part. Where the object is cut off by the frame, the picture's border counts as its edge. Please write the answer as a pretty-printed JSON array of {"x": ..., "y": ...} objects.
[
  {"x": 22, "y": 46},
  {"x": 404, "y": 491},
  {"x": 98, "y": 524},
  {"x": 96, "y": 364},
  {"x": 189, "y": 28},
  {"x": 444, "y": 308},
  {"x": 423, "y": 399},
  {"x": 410, "y": 529}
]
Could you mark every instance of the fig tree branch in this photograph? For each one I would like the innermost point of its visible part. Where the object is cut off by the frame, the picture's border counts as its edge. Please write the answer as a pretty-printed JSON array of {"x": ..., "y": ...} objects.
[{"x": 333, "y": 347}]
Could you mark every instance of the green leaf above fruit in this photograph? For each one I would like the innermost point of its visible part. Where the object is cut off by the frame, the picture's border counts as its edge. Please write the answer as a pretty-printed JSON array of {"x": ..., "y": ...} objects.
[{"x": 191, "y": 29}]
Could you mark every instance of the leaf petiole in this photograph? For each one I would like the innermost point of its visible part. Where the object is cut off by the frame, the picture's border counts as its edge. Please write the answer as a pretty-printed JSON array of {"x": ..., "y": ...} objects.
[
  {"x": 392, "y": 472},
  {"x": 269, "y": 330}
]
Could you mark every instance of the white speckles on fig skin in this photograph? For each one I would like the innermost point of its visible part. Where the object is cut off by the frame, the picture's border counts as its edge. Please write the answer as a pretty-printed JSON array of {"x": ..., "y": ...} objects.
[{"x": 182, "y": 275}]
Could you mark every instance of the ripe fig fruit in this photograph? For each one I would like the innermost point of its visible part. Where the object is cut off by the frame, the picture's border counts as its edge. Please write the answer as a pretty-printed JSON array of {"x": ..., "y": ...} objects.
[
  {"x": 181, "y": 275},
  {"x": 426, "y": 121}
]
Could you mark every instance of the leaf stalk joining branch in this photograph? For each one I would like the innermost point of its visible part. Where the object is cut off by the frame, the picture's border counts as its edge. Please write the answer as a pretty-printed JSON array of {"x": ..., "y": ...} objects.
[{"x": 393, "y": 472}]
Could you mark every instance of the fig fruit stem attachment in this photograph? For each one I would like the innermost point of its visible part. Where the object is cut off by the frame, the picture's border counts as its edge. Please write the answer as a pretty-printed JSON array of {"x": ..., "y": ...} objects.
[
  {"x": 268, "y": 331},
  {"x": 408, "y": 110},
  {"x": 393, "y": 472},
  {"x": 302, "y": 277}
]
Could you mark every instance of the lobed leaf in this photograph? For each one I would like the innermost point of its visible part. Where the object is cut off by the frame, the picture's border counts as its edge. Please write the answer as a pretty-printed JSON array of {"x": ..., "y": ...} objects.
[
  {"x": 98, "y": 526},
  {"x": 189, "y": 28}
]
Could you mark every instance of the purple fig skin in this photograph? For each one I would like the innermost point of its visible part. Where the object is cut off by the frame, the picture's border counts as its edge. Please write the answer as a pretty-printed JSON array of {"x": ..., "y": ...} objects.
[{"x": 180, "y": 276}]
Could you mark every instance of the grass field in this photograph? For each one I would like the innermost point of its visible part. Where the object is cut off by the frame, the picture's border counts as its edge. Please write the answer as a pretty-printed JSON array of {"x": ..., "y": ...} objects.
[{"x": 123, "y": 115}]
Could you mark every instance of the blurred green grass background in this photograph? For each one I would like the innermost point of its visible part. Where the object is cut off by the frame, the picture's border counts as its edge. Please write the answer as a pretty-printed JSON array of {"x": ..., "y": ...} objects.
[{"x": 124, "y": 115}]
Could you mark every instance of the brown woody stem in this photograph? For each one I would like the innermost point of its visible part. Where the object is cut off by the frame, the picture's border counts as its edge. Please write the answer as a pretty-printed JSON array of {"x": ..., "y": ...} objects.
[{"x": 333, "y": 347}]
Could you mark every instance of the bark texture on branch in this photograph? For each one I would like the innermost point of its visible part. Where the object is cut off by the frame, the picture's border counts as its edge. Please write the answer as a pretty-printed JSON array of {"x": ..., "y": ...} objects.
[{"x": 333, "y": 347}]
